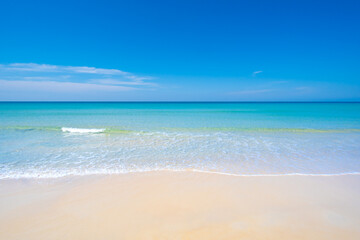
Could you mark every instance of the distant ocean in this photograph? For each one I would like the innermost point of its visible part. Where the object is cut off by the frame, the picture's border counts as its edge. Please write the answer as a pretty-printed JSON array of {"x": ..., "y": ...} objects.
[{"x": 46, "y": 140}]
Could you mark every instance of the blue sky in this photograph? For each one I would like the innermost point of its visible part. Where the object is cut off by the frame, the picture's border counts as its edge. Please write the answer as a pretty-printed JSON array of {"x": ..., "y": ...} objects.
[{"x": 180, "y": 50}]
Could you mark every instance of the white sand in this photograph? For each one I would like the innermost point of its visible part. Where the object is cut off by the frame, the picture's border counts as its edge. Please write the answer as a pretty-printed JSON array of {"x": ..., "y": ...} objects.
[{"x": 181, "y": 205}]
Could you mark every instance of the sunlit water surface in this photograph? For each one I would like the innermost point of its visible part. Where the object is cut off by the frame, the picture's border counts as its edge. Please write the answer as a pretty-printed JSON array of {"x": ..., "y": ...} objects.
[{"x": 59, "y": 139}]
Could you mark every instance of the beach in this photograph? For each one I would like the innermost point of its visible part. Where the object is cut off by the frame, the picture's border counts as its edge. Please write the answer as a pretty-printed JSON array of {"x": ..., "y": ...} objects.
[
  {"x": 181, "y": 205},
  {"x": 180, "y": 120},
  {"x": 179, "y": 171}
]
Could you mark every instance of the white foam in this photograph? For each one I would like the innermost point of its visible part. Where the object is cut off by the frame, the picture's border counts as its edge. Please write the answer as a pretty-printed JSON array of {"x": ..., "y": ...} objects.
[
  {"x": 278, "y": 174},
  {"x": 75, "y": 173},
  {"x": 83, "y": 130}
]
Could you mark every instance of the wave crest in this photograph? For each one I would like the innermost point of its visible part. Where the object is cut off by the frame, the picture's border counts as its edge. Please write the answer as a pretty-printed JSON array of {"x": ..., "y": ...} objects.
[{"x": 83, "y": 130}]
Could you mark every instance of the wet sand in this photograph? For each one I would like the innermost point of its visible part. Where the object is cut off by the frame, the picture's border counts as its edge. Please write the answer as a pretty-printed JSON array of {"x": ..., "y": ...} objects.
[{"x": 181, "y": 205}]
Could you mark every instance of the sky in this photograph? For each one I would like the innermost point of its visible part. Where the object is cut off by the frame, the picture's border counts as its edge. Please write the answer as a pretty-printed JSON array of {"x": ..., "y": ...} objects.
[{"x": 180, "y": 50}]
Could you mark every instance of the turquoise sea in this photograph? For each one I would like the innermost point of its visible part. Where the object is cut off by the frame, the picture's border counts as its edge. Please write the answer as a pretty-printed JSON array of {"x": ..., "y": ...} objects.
[{"x": 45, "y": 140}]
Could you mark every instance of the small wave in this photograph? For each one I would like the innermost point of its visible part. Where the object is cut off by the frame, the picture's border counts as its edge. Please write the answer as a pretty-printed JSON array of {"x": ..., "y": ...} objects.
[
  {"x": 119, "y": 130},
  {"x": 108, "y": 130},
  {"x": 30, "y": 128},
  {"x": 277, "y": 174},
  {"x": 83, "y": 130},
  {"x": 264, "y": 130},
  {"x": 104, "y": 172}
]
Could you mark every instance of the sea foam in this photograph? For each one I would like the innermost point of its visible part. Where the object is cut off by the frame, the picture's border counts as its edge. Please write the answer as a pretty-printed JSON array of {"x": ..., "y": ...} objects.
[{"x": 83, "y": 130}]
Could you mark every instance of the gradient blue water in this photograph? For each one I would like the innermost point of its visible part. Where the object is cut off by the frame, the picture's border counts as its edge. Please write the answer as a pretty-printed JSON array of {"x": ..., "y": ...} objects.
[{"x": 236, "y": 138}]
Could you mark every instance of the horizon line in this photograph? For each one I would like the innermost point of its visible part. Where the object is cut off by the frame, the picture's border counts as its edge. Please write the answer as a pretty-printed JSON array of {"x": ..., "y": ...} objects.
[{"x": 179, "y": 101}]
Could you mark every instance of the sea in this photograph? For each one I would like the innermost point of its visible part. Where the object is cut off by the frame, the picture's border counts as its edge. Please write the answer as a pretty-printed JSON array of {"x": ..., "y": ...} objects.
[{"x": 58, "y": 139}]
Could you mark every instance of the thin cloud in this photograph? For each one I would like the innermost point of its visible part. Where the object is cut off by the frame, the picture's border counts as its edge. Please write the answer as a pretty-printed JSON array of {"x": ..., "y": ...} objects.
[
  {"x": 50, "y": 86},
  {"x": 136, "y": 78},
  {"x": 256, "y": 72},
  {"x": 34, "y": 67},
  {"x": 33, "y": 73},
  {"x": 110, "y": 81},
  {"x": 93, "y": 70},
  {"x": 30, "y": 67}
]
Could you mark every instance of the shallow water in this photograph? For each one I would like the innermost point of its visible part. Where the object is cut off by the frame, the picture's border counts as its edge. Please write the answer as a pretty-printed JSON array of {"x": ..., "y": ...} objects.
[{"x": 59, "y": 139}]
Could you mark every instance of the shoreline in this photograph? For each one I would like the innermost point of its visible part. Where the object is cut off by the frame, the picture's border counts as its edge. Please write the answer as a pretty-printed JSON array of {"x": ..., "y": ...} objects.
[{"x": 103, "y": 174}]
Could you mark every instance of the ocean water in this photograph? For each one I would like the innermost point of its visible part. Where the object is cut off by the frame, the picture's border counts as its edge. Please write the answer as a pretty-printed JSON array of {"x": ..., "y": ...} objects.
[{"x": 46, "y": 140}]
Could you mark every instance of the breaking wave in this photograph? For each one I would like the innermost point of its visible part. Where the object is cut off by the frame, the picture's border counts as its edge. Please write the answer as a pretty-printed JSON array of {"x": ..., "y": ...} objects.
[{"x": 83, "y": 130}]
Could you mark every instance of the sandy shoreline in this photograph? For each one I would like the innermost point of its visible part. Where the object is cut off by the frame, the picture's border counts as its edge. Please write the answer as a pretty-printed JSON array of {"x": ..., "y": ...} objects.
[{"x": 181, "y": 205}]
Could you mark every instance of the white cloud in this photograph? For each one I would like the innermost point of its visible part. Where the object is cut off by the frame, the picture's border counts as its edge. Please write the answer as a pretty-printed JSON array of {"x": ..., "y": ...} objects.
[
  {"x": 31, "y": 67},
  {"x": 23, "y": 74},
  {"x": 256, "y": 72},
  {"x": 94, "y": 70},
  {"x": 34, "y": 67},
  {"x": 110, "y": 81},
  {"x": 136, "y": 78},
  {"x": 52, "y": 86}
]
